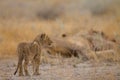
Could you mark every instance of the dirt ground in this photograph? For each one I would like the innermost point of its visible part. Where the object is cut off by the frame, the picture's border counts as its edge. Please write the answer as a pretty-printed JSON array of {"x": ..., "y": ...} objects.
[{"x": 63, "y": 70}]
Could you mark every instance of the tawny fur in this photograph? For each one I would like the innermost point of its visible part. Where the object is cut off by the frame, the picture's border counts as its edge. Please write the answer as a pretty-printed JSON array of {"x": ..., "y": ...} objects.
[{"x": 31, "y": 52}]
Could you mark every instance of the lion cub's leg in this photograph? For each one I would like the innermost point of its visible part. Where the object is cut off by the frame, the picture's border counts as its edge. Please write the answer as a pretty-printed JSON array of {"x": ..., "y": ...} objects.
[
  {"x": 36, "y": 63},
  {"x": 26, "y": 66}
]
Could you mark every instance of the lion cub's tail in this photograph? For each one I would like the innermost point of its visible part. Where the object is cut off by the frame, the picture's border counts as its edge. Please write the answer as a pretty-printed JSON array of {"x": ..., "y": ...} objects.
[{"x": 16, "y": 69}]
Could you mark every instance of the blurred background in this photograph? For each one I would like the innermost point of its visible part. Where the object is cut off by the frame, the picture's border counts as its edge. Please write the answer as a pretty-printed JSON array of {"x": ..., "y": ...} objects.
[{"x": 22, "y": 20}]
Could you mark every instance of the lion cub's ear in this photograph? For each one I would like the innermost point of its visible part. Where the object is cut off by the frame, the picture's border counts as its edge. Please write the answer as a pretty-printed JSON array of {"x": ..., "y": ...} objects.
[{"x": 42, "y": 35}]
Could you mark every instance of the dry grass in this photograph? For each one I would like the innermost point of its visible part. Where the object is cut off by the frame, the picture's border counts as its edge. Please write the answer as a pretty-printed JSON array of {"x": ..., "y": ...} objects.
[{"x": 14, "y": 31}]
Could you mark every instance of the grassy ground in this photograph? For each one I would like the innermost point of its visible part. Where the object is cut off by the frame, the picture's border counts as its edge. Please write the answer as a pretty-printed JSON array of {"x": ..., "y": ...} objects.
[{"x": 64, "y": 70}]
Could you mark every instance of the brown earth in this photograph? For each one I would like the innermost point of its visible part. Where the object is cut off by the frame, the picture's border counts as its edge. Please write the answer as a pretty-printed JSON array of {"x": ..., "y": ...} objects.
[{"x": 64, "y": 70}]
